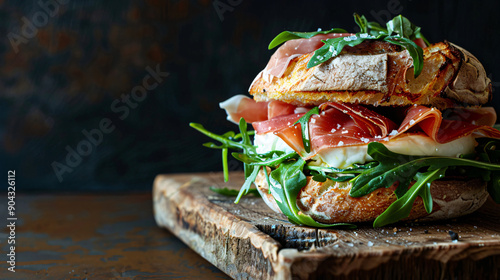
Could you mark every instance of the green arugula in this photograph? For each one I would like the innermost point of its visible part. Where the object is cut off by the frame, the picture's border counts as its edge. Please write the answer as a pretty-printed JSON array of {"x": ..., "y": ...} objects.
[
  {"x": 286, "y": 182},
  {"x": 404, "y": 28},
  {"x": 245, "y": 140},
  {"x": 304, "y": 125},
  {"x": 402, "y": 169},
  {"x": 228, "y": 141},
  {"x": 362, "y": 23},
  {"x": 494, "y": 188},
  {"x": 334, "y": 46},
  {"x": 395, "y": 167},
  {"x": 398, "y": 31},
  {"x": 248, "y": 182},
  {"x": 401, "y": 208},
  {"x": 272, "y": 159},
  {"x": 289, "y": 35},
  {"x": 321, "y": 173},
  {"x": 490, "y": 152},
  {"x": 289, "y": 171}
]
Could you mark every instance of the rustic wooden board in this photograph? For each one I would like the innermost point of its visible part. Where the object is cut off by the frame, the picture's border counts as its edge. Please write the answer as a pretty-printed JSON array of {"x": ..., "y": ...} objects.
[{"x": 249, "y": 241}]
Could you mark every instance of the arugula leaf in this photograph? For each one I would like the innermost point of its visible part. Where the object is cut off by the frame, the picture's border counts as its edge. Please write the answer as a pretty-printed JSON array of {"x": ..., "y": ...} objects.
[
  {"x": 400, "y": 31},
  {"x": 276, "y": 161},
  {"x": 402, "y": 26},
  {"x": 405, "y": 28},
  {"x": 224, "y": 164},
  {"x": 375, "y": 28},
  {"x": 395, "y": 167},
  {"x": 227, "y": 142},
  {"x": 286, "y": 182},
  {"x": 321, "y": 173},
  {"x": 248, "y": 182},
  {"x": 321, "y": 177},
  {"x": 401, "y": 208},
  {"x": 361, "y": 22},
  {"x": 416, "y": 52},
  {"x": 287, "y": 175},
  {"x": 304, "y": 125},
  {"x": 334, "y": 47},
  {"x": 490, "y": 153},
  {"x": 225, "y": 139},
  {"x": 245, "y": 139},
  {"x": 265, "y": 159},
  {"x": 232, "y": 192},
  {"x": 355, "y": 168},
  {"x": 289, "y": 35}
]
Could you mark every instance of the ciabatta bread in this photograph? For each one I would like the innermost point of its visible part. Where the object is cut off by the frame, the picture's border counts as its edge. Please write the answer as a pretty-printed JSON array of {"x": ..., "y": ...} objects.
[
  {"x": 329, "y": 202},
  {"x": 450, "y": 75}
]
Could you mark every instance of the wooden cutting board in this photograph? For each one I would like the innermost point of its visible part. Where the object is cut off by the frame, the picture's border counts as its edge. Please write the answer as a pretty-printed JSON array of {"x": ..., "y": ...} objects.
[{"x": 249, "y": 241}]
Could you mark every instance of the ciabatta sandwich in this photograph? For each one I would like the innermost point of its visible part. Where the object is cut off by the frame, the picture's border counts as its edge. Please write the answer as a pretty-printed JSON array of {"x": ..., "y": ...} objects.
[{"x": 374, "y": 126}]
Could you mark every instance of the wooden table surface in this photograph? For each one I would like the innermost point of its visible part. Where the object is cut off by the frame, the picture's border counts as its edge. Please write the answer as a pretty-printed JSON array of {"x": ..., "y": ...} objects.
[
  {"x": 249, "y": 241},
  {"x": 96, "y": 236}
]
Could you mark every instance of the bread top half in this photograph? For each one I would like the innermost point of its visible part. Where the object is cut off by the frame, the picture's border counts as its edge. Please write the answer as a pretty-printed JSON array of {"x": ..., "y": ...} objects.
[{"x": 450, "y": 77}]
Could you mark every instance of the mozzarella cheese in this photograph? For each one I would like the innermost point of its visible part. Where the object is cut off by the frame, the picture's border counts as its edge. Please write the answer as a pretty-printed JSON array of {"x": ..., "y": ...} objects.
[
  {"x": 269, "y": 142},
  {"x": 343, "y": 157}
]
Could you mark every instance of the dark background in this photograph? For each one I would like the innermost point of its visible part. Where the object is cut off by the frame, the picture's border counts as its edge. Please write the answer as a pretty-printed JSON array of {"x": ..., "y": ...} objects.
[{"x": 84, "y": 56}]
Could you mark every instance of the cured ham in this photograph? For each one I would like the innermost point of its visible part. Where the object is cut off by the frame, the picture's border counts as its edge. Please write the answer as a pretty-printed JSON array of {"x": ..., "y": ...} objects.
[
  {"x": 341, "y": 125},
  {"x": 456, "y": 123},
  {"x": 279, "y": 108},
  {"x": 337, "y": 125},
  {"x": 240, "y": 106},
  {"x": 276, "y": 124},
  {"x": 375, "y": 123},
  {"x": 346, "y": 125}
]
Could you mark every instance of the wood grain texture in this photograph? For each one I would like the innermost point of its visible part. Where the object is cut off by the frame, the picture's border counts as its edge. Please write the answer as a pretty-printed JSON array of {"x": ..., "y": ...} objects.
[{"x": 249, "y": 241}]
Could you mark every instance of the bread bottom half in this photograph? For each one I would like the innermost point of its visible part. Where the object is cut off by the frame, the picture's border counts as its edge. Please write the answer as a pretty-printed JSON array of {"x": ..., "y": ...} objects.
[{"x": 329, "y": 202}]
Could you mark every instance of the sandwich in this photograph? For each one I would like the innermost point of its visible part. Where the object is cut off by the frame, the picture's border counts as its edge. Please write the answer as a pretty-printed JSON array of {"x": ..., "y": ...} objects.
[{"x": 375, "y": 126}]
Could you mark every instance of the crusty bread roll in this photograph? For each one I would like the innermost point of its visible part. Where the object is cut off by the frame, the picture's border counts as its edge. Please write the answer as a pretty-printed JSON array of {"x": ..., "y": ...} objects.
[
  {"x": 450, "y": 75},
  {"x": 329, "y": 202},
  {"x": 376, "y": 74}
]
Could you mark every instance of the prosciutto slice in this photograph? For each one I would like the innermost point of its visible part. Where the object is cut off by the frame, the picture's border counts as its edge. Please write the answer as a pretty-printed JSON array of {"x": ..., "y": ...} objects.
[
  {"x": 341, "y": 125},
  {"x": 283, "y": 127},
  {"x": 346, "y": 125},
  {"x": 337, "y": 125},
  {"x": 276, "y": 124},
  {"x": 454, "y": 124},
  {"x": 375, "y": 123},
  {"x": 241, "y": 106}
]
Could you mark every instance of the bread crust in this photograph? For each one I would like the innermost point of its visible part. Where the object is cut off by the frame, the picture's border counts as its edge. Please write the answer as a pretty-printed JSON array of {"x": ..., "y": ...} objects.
[
  {"x": 390, "y": 81},
  {"x": 329, "y": 202}
]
